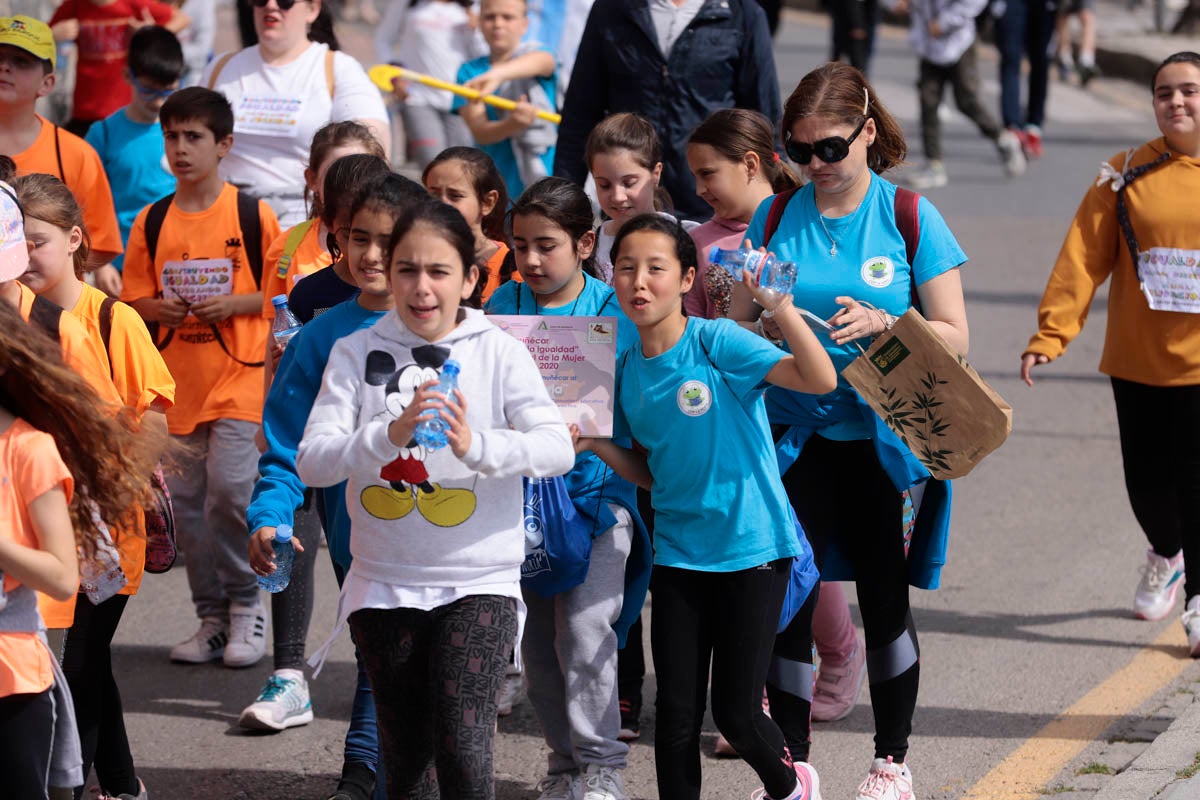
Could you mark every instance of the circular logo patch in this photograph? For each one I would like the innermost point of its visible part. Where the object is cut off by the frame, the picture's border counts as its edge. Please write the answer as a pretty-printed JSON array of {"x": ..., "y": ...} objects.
[
  {"x": 878, "y": 271},
  {"x": 693, "y": 398}
]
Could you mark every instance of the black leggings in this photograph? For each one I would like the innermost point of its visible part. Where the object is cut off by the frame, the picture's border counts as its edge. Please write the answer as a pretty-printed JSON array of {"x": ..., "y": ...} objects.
[
  {"x": 727, "y": 619},
  {"x": 1160, "y": 447},
  {"x": 790, "y": 679},
  {"x": 26, "y": 736},
  {"x": 87, "y": 663},
  {"x": 435, "y": 676},
  {"x": 291, "y": 609},
  {"x": 840, "y": 491}
]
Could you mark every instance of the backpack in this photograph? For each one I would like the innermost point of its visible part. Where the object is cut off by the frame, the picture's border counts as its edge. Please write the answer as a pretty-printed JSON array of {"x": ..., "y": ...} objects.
[
  {"x": 46, "y": 315},
  {"x": 251, "y": 229},
  {"x": 159, "y": 514}
]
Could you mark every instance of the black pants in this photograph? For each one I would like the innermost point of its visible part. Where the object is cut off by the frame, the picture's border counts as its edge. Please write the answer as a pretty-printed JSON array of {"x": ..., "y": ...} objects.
[
  {"x": 1160, "y": 447},
  {"x": 790, "y": 680},
  {"x": 963, "y": 77},
  {"x": 26, "y": 735},
  {"x": 87, "y": 663},
  {"x": 728, "y": 619},
  {"x": 840, "y": 492},
  {"x": 291, "y": 609},
  {"x": 853, "y": 31}
]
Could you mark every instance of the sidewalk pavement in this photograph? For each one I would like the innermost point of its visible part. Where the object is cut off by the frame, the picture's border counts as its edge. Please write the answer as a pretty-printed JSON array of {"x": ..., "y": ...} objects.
[
  {"x": 1127, "y": 45},
  {"x": 1167, "y": 769}
]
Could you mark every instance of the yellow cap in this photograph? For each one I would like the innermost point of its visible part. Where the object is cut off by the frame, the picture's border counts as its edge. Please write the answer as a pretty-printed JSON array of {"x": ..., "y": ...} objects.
[{"x": 31, "y": 35}]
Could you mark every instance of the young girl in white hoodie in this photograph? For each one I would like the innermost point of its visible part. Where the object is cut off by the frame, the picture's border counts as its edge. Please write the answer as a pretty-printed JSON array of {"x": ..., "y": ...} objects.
[{"x": 433, "y": 597}]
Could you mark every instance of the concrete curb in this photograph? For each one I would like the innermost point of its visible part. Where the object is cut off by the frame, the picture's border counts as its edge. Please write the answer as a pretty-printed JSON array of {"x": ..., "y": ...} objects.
[{"x": 1156, "y": 772}]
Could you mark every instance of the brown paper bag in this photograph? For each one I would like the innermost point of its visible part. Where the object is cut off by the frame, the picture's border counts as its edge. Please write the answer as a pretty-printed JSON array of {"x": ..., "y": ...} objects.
[{"x": 930, "y": 397}]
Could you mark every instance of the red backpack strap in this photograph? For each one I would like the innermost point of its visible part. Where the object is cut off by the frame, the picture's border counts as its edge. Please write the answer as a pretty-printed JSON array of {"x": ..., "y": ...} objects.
[
  {"x": 775, "y": 214},
  {"x": 909, "y": 225}
]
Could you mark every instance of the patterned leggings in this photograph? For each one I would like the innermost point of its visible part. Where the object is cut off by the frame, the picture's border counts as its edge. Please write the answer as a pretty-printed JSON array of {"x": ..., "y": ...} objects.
[{"x": 435, "y": 676}]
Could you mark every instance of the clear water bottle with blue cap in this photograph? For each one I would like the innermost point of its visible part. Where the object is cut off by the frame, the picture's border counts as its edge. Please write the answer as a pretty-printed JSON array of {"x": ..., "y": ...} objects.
[
  {"x": 769, "y": 272},
  {"x": 285, "y": 556},
  {"x": 431, "y": 430},
  {"x": 285, "y": 325}
]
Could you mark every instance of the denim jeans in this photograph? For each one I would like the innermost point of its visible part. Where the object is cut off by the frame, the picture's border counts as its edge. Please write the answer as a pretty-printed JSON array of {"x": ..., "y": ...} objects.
[{"x": 1025, "y": 29}]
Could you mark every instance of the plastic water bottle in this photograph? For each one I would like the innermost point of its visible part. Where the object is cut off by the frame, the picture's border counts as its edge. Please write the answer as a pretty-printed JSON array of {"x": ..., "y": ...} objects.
[
  {"x": 769, "y": 272},
  {"x": 431, "y": 430},
  {"x": 285, "y": 325},
  {"x": 285, "y": 556}
]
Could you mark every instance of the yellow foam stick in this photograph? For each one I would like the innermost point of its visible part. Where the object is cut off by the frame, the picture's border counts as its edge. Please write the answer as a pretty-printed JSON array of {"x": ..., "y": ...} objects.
[{"x": 383, "y": 74}]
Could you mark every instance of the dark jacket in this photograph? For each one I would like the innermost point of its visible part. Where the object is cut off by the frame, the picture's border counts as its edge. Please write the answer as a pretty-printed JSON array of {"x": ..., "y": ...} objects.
[{"x": 723, "y": 59}]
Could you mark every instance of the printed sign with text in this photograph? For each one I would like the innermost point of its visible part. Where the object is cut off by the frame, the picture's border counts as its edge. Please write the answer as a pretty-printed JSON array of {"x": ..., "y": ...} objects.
[{"x": 198, "y": 279}]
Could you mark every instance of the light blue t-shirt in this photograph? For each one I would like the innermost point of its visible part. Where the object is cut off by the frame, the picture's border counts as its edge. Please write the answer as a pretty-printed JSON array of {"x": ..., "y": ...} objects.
[
  {"x": 702, "y": 401},
  {"x": 135, "y": 162},
  {"x": 871, "y": 265},
  {"x": 502, "y": 151},
  {"x": 590, "y": 483}
]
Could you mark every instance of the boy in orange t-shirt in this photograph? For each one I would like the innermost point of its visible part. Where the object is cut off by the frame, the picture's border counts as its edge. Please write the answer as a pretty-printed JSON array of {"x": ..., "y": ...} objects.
[
  {"x": 199, "y": 290},
  {"x": 38, "y": 145}
]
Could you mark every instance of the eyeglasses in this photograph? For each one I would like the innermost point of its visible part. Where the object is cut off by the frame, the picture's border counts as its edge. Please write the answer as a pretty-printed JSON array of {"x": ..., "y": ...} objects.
[
  {"x": 284, "y": 5},
  {"x": 150, "y": 93},
  {"x": 830, "y": 150}
]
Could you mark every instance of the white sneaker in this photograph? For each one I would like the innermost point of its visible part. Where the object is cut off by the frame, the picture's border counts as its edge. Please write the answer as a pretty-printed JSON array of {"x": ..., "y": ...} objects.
[
  {"x": 206, "y": 644},
  {"x": 561, "y": 786},
  {"x": 247, "y": 635},
  {"x": 931, "y": 176},
  {"x": 603, "y": 783},
  {"x": 1011, "y": 153},
  {"x": 1161, "y": 578},
  {"x": 887, "y": 781},
  {"x": 1191, "y": 624},
  {"x": 283, "y": 703},
  {"x": 512, "y": 692},
  {"x": 808, "y": 785}
]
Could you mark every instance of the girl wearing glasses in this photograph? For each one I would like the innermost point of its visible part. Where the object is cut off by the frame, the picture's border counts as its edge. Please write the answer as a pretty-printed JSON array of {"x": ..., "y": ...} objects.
[
  {"x": 841, "y": 229},
  {"x": 283, "y": 90}
]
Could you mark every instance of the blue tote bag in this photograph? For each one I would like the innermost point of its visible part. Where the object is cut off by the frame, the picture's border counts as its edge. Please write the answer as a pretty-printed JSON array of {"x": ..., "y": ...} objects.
[{"x": 558, "y": 541}]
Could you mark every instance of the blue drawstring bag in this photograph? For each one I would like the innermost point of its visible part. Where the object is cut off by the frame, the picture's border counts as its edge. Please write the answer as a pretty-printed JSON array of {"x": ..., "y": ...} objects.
[
  {"x": 558, "y": 541},
  {"x": 802, "y": 580}
]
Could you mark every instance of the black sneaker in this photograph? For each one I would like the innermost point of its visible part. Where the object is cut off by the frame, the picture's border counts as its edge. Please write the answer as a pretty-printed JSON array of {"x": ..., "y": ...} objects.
[{"x": 631, "y": 710}]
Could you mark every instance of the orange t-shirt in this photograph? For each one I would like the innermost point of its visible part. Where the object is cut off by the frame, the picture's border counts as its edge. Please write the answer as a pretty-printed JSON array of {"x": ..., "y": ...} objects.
[
  {"x": 280, "y": 275},
  {"x": 80, "y": 352},
  {"x": 493, "y": 270},
  {"x": 30, "y": 466},
  {"x": 210, "y": 385},
  {"x": 83, "y": 172}
]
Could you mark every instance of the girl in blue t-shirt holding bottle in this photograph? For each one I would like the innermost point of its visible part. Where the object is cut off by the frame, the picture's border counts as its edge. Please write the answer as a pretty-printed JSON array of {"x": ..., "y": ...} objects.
[
  {"x": 836, "y": 454},
  {"x": 725, "y": 537},
  {"x": 570, "y": 642}
]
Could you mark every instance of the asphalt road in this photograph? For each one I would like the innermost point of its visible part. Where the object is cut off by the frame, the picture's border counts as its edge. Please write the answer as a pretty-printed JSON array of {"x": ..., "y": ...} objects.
[{"x": 1034, "y": 609}]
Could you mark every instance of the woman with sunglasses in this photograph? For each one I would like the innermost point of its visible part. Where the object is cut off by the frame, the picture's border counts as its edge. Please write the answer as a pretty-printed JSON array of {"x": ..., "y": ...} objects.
[
  {"x": 283, "y": 90},
  {"x": 844, "y": 472}
]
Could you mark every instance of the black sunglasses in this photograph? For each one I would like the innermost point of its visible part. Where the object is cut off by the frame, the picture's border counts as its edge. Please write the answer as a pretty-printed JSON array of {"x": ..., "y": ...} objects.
[
  {"x": 284, "y": 5},
  {"x": 830, "y": 150}
]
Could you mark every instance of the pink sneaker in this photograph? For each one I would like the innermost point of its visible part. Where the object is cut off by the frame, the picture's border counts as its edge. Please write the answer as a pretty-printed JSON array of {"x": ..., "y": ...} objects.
[
  {"x": 808, "y": 785},
  {"x": 837, "y": 685}
]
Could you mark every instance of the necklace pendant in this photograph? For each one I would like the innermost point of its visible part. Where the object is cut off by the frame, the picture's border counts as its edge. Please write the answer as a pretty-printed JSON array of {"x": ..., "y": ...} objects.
[{"x": 833, "y": 249}]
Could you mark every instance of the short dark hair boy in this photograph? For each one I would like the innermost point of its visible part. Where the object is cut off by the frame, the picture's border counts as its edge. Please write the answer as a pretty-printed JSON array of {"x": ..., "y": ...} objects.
[
  {"x": 155, "y": 55},
  {"x": 202, "y": 105}
]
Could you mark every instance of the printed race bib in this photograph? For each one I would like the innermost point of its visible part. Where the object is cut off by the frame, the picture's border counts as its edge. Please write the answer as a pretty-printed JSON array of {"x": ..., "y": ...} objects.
[
  {"x": 198, "y": 279},
  {"x": 269, "y": 115},
  {"x": 1170, "y": 279}
]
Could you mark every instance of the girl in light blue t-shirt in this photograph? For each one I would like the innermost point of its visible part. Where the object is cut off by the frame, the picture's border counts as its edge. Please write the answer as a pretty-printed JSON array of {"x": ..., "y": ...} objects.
[{"x": 726, "y": 540}]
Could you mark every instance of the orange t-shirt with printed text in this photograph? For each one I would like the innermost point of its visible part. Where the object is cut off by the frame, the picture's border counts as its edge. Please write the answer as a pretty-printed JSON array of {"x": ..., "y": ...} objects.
[
  {"x": 493, "y": 270},
  {"x": 210, "y": 385},
  {"x": 83, "y": 173},
  {"x": 280, "y": 276},
  {"x": 30, "y": 466}
]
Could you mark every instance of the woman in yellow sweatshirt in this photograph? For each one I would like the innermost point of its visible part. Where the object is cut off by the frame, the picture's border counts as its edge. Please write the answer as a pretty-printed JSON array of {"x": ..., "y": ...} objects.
[{"x": 1138, "y": 224}]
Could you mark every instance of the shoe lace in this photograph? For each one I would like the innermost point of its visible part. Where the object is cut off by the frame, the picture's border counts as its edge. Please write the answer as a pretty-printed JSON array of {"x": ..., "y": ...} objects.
[
  {"x": 275, "y": 687},
  {"x": 1156, "y": 573},
  {"x": 602, "y": 781},
  {"x": 560, "y": 782},
  {"x": 877, "y": 783}
]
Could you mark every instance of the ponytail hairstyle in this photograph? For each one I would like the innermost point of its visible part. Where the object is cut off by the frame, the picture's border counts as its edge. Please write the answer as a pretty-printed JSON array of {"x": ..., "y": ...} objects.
[
  {"x": 838, "y": 91},
  {"x": 329, "y": 138},
  {"x": 563, "y": 203},
  {"x": 47, "y": 198},
  {"x": 108, "y": 461},
  {"x": 343, "y": 180},
  {"x": 484, "y": 177},
  {"x": 321, "y": 29},
  {"x": 634, "y": 133},
  {"x": 736, "y": 132}
]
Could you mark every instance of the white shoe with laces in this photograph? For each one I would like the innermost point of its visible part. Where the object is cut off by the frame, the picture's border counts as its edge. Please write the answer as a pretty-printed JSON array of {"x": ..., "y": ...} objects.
[
  {"x": 887, "y": 780},
  {"x": 603, "y": 783},
  {"x": 206, "y": 644},
  {"x": 283, "y": 703},
  {"x": 1011, "y": 153},
  {"x": 1156, "y": 592},
  {"x": 931, "y": 176},
  {"x": 561, "y": 786},
  {"x": 808, "y": 785},
  {"x": 1191, "y": 624},
  {"x": 247, "y": 635}
]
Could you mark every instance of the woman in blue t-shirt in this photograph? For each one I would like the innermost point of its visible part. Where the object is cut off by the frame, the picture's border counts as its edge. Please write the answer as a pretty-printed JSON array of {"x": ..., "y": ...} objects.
[
  {"x": 844, "y": 471},
  {"x": 726, "y": 543}
]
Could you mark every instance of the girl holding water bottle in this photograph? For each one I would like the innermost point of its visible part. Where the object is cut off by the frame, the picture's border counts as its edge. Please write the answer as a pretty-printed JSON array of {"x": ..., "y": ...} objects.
[
  {"x": 433, "y": 594},
  {"x": 725, "y": 539}
]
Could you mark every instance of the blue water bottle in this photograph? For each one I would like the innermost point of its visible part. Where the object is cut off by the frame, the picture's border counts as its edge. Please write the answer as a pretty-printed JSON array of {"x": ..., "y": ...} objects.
[
  {"x": 285, "y": 325},
  {"x": 285, "y": 556},
  {"x": 431, "y": 430},
  {"x": 769, "y": 272}
]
